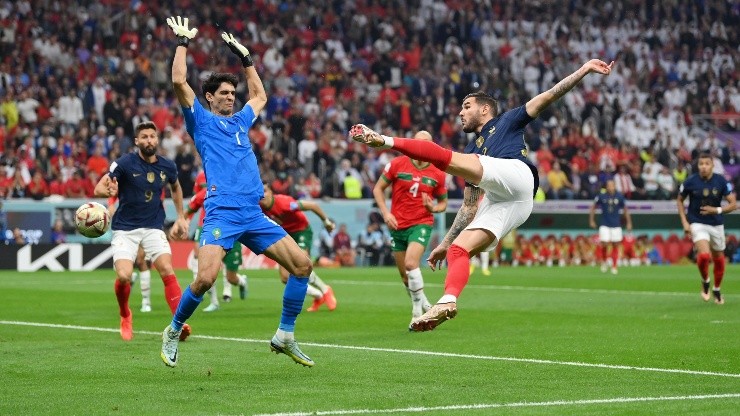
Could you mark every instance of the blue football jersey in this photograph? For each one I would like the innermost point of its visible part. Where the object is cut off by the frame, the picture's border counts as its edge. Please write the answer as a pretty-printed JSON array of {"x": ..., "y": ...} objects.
[
  {"x": 140, "y": 186},
  {"x": 503, "y": 138},
  {"x": 232, "y": 175},
  {"x": 703, "y": 192},
  {"x": 611, "y": 208}
]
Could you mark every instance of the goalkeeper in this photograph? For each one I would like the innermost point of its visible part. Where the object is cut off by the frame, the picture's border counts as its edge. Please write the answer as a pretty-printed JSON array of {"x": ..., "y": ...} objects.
[{"x": 234, "y": 191}]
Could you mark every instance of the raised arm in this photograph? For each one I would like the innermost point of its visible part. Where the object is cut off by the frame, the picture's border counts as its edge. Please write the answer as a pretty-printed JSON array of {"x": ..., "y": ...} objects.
[
  {"x": 257, "y": 94},
  {"x": 183, "y": 91},
  {"x": 537, "y": 104},
  {"x": 316, "y": 209}
]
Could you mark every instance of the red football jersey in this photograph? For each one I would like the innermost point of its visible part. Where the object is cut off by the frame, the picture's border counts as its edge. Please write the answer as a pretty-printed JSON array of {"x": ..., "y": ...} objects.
[
  {"x": 196, "y": 204},
  {"x": 408, "y": 183},
  {"x": 287, "y": 212},
  {"x": 200, "y": 182}
]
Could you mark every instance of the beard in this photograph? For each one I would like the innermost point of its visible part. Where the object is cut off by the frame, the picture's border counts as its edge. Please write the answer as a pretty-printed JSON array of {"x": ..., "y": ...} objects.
[
  {"x": 148, "y": 151},
  {"x": 471, "y": 124}
]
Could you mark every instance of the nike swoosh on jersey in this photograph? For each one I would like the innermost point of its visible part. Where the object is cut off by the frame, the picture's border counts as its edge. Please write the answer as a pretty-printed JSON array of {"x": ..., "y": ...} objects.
[{"x": 137, "y": 174}]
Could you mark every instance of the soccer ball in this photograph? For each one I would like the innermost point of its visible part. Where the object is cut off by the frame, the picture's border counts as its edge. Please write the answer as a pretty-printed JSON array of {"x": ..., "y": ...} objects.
[{"x": 92, "y": 219}]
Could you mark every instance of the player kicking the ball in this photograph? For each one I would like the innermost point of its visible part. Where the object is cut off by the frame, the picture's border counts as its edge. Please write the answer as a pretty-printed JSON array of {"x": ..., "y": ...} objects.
[{"x": 494, "y": 163}]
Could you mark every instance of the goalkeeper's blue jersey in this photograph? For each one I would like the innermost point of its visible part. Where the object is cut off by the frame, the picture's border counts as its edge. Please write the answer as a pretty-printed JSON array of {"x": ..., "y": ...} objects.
[{"x": 232, "y": 175}]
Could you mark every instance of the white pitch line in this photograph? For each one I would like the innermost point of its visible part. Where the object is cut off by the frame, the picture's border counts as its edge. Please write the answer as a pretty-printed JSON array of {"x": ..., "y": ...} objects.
[
  {"x": 422, "y": 409},
  {"x": 88, "y": 282},
  {"x": 529, "y": 288},
  {"x": 402, "y": 351}
]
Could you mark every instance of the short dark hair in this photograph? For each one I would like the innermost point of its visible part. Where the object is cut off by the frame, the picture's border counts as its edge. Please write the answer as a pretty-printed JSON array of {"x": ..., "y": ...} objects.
[
  {"x": 482, "y": 98},
  {"x": 145, "y": 125},
  {"x": 704, "y": 155},
  {"x": 215, "y": 80}
]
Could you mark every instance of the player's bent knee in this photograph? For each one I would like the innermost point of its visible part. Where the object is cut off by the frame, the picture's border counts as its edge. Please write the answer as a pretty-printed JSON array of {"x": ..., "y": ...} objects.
[
  {"x": 411, "y": 265},
  {"x": 303, "y": 269}
]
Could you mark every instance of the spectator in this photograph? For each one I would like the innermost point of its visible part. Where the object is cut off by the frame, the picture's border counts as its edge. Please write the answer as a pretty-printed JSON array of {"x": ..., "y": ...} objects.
[
  {"x": 75, "y": 187},
  {"x": 97, "y": 162},
  {"x": 18, "y": 185},
  {"x": 560, "y": 186},
  {"x": 623, "y": 182},
  {"x": 58, "y": 236},
  {"x": 3, "y": 222},
  {"x": 185, "y": 161},
  {"x": 342, "y": 245},
  {"x": 38, "y": 189},
  {"x": 650, "y": 172},
  {"x": 27, "y": 106},
  {"x": 666, "y": 185},
  {"x": 370, "y": 244}
]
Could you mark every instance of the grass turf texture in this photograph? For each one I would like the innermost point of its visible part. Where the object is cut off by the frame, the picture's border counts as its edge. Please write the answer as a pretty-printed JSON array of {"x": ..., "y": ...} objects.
[{"x": 522, "y": 336}]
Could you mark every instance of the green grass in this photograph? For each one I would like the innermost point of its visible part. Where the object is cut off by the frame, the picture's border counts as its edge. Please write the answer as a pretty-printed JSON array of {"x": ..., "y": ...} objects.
[{"x": 535, "y": 341}]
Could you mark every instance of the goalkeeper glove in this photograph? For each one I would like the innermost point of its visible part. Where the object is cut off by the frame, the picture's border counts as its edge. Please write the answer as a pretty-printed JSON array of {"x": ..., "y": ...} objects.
[
  {"x": 238, "y": 49},
  {"x": 180, "y": 27}
]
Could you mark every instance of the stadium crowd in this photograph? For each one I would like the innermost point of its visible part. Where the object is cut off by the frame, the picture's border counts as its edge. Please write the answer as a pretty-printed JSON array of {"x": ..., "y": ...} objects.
[{"x": 77, "y": 76}]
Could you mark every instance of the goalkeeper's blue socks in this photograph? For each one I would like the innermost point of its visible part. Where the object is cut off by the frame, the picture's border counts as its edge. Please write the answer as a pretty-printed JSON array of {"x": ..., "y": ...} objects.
[
  {"x": 188, "y": 304},
  {"x": 293, "y": 296}
]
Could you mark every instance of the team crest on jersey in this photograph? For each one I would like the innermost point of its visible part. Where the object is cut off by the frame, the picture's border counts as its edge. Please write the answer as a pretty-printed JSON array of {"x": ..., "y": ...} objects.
[
  {"x": 162, "y": 175},
  {"x": 150, "y": 177},
  {"x": 705, "y": 192},
  {"x": 216, "y": 233},
  {"x": 479, "y": 141}
]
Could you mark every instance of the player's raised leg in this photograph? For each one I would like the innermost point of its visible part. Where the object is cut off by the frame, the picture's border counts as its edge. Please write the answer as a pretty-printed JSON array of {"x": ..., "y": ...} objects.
[{"x": 465, "y": 165}]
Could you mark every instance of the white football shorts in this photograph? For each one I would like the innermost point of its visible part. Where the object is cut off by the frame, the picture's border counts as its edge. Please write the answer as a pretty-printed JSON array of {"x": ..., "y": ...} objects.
[
  {"x": 610, "y": 234},
  {"x": 715, "y": 234},
  {"x": 126, "y": 243},
  {"x": 508, "y": 201}
]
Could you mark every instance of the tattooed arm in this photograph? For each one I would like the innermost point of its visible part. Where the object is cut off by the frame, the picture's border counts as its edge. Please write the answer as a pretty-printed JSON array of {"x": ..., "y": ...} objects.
[
  {"x": 537, "y": 104},
  {"x": 471, "y": 196}
]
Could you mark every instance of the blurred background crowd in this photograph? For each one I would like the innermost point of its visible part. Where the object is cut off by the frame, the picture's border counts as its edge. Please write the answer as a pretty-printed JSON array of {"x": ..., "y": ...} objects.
[{"x": 76, "y": 76}]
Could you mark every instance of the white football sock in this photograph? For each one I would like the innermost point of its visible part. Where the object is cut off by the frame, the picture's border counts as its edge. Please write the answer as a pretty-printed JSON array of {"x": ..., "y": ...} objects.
[
  {"x": 416, "y": 289},
  {"x": 447, "y": 299},
  {"x": 227, "y": 285},
  {"x": 242, "y": 280},
  {"x": 313, "y": 292},
  {"x": 315, "y": 281},
  {"x": 213, "y": 293},
  {"x": 285, "y": 336},
  {"x": 485, "y": 258},
  {"x": 145, "y": 281},
  {"x": 194, "y": 267}
]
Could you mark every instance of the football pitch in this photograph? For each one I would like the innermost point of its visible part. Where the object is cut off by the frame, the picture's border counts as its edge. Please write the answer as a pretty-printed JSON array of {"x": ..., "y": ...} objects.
[{"x": 534, "y": 340}]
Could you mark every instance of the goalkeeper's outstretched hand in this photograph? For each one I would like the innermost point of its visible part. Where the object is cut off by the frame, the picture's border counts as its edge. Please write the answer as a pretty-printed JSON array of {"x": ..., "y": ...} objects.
[
  {"x": 238, "y": 49},
  {"x": 180, "y": 27}
]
